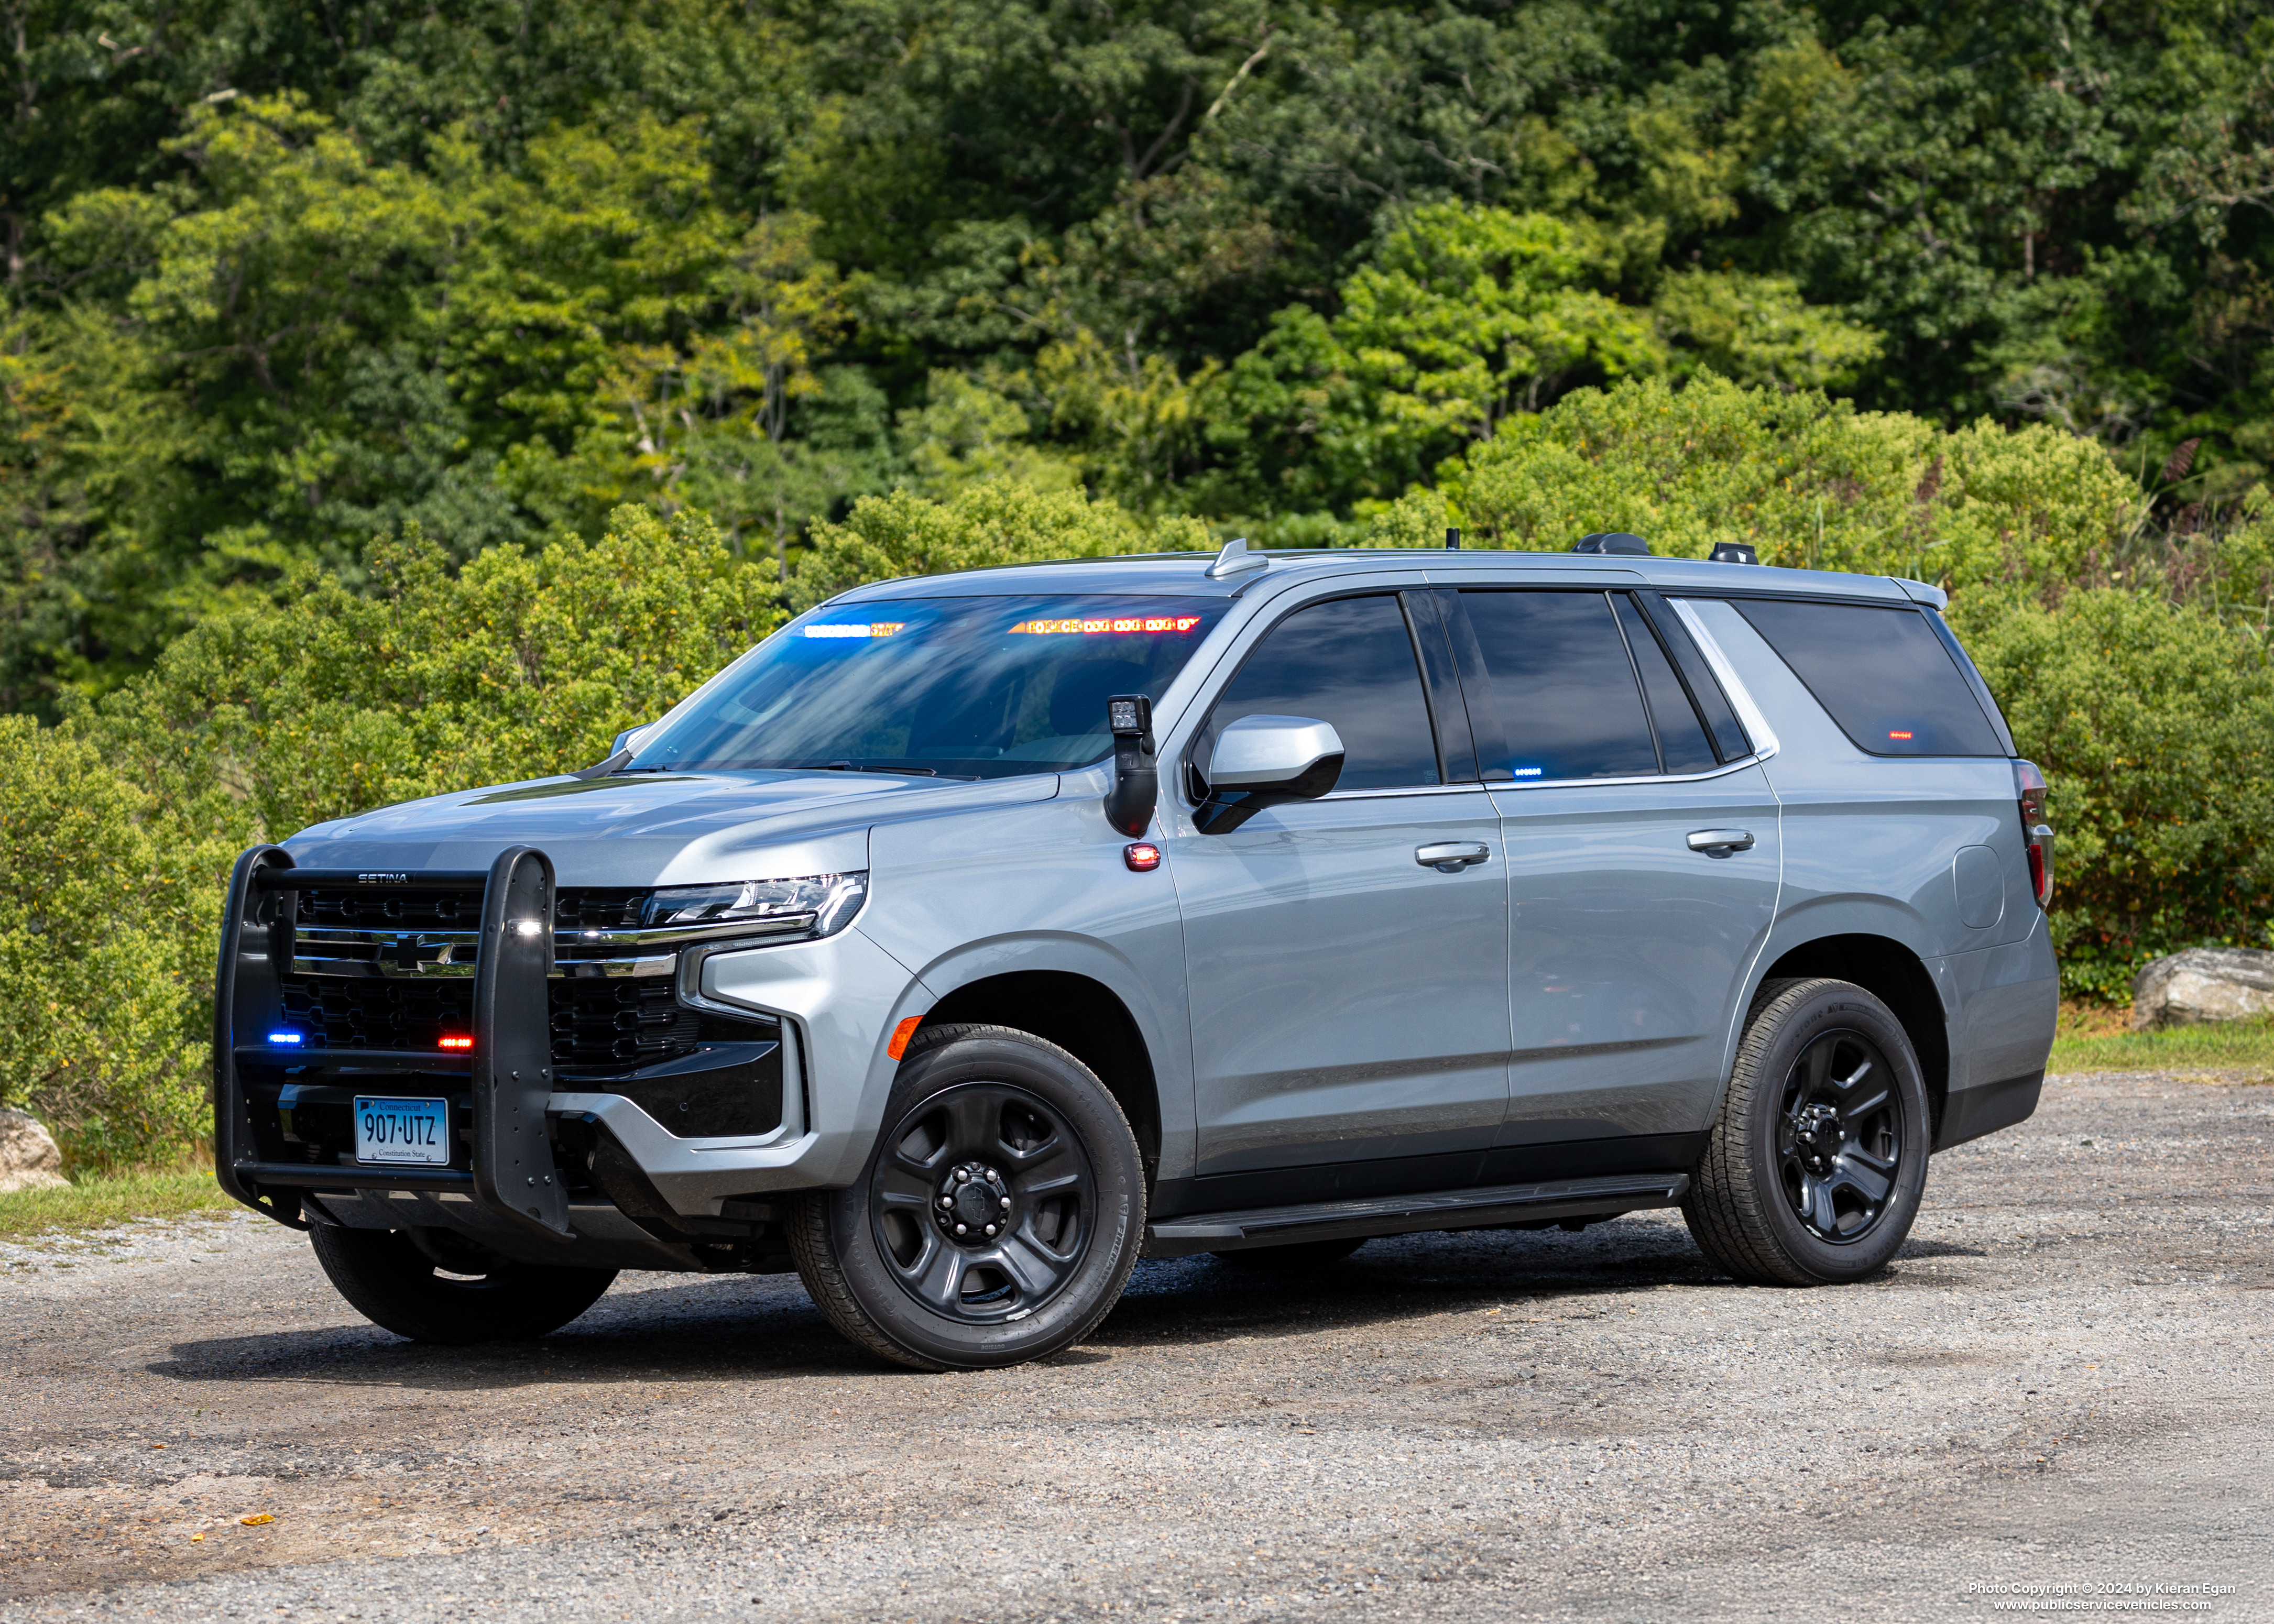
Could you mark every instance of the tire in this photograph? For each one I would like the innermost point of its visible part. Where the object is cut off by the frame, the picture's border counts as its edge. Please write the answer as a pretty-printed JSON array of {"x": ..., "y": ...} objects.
[
  {"x": 998, "y": 1125},
  {"x": 1292, "y": 1258},
  {"x": 404, "y": 1282},
  {"x": 1813, "y": 1174}
]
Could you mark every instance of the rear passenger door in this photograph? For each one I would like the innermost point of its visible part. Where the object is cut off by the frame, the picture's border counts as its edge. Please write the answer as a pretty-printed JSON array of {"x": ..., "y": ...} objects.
[
  {"x": 1349, "y": 1001},
  {"x": 1616, "y": 763}
]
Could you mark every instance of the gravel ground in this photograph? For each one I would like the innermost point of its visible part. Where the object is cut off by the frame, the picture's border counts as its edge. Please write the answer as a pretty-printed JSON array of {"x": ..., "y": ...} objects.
[{"x": 2062, "y": 1381}]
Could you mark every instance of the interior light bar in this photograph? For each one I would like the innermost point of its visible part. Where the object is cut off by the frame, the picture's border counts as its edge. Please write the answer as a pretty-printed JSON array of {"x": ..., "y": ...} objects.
[{"x": 1093, "y": 626}]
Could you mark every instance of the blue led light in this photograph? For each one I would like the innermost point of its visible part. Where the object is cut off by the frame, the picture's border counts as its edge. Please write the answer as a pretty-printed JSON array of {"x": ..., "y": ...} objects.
[
  {"x": 1523, "y": 772},
  {"x": 286, "y": 1037}
]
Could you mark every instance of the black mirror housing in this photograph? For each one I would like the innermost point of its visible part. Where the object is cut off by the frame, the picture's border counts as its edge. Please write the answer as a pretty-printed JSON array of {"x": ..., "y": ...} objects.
[{"x": 1136, "y": 781}]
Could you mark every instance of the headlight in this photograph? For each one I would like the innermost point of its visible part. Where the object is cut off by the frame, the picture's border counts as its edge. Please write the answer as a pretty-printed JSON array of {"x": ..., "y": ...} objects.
[{"x": 823, "y": 903}]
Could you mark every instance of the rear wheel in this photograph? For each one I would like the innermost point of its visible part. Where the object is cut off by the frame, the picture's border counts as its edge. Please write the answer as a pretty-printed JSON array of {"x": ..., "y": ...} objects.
[
  {"x": 998, "y": 1217},
  {"x": 1812, "y": 1176},
  {"x": 439, "y": 1286}
]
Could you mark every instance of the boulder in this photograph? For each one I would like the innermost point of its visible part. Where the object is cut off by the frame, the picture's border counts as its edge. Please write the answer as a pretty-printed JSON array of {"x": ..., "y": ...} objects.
[
  {"x": 2203, "y": 984},
  {"x": 28, "y": 1158}
]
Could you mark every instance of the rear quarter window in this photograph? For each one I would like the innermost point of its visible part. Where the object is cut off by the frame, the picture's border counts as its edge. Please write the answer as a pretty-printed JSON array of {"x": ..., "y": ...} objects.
[{"x": 1882, "y": 674}]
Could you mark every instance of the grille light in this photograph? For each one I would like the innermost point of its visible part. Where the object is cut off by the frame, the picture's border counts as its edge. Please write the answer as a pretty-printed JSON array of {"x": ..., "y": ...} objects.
[
  {"x": 287, "y": 1040},
  {"x": 461, "y": 1044}
]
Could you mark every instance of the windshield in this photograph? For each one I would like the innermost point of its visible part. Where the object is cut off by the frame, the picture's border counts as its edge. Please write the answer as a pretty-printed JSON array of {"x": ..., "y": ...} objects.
[{"x": 976, "y": 687}]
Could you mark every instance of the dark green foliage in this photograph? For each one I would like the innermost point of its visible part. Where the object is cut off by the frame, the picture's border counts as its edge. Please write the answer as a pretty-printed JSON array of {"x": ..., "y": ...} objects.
[{"x": 281, "y": 277}]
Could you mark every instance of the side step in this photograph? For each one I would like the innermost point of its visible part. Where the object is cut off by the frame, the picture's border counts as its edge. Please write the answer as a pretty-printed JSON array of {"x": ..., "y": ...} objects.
[{"x": 1401, "y": 1214}]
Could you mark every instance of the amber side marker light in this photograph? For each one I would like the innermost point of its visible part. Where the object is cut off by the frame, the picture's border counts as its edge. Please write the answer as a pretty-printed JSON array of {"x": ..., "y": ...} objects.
[
  {"x": 456, "y": 1043},
  {"x": 901, "y": 1034},
  {"x": 1142, "y": 857}
]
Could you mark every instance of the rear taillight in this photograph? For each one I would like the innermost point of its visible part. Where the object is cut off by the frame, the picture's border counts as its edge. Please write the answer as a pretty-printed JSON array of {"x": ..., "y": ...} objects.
[{"x": 2030, "y": 790}]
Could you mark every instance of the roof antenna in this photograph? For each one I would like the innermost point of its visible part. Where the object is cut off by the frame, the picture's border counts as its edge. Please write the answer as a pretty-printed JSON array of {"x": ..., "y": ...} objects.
[
  {"x": 1452, "y": 539},
  {"x": 1234, "y": 559}
]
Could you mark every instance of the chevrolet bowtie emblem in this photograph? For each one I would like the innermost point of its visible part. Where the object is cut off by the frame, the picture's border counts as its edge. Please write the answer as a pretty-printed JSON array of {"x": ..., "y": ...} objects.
[{"x": 407, "y": 954}]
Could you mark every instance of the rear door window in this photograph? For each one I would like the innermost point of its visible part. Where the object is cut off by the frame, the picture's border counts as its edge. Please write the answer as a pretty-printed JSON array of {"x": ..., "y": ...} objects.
[
  {"x": 1682, "y": 738},
  {"x": 1881, "y": 673},
  {"x": 1561, "y": 687},
  {"x": 1349, "y": 662}
]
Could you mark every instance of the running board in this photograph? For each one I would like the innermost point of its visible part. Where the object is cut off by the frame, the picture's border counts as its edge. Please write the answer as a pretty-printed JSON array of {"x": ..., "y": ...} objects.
[{"x": 1500, "y": 1206}]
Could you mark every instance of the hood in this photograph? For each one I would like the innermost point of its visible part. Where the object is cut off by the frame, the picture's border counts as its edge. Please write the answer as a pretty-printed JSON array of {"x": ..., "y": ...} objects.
[{"x": 651, "y": 829}]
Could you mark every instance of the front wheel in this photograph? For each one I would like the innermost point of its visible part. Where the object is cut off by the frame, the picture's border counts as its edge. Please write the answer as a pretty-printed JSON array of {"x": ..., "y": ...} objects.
[
  {"x": 998, "y": 1217},
  {"x": 1813, "y": 1174},
  {"x": 441, "y": 1286}
]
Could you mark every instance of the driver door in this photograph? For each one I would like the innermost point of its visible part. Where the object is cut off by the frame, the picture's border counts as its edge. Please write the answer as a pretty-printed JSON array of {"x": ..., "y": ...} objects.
[{"x": 1349, "y": 1000}]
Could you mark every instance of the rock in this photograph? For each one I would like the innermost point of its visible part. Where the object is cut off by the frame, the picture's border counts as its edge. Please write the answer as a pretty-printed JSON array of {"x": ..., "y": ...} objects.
[
  {"x": 2202, "y": 985},
  {"x": 28, "y": 1158}
]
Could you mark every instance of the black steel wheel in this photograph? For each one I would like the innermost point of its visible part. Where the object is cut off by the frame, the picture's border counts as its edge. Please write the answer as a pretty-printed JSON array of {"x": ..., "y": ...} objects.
[
  {"x": 1839, "y": 1136},
  {"x": 999, "y": 1216},
  {"x": 983, "y": 1202},
  {"x": 442, "y": 1286},
  {"x": 1813, "y": 1171}
]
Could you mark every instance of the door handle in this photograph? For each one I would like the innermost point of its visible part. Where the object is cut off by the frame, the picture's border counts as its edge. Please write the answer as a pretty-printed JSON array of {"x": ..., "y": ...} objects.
[
  {"x": 1721, "y": 842},
  {"x": 1451, "y": 856}
]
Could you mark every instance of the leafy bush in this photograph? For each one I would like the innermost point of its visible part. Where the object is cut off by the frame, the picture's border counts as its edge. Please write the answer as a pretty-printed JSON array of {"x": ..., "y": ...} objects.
[
  {"x": 1809, "y": 481},
  {"x": 261, "y": 721},
  {"x": 2154, "y": 723},
  {"x": 983, "y": 525},
  {"x": 106, "y": 939}
]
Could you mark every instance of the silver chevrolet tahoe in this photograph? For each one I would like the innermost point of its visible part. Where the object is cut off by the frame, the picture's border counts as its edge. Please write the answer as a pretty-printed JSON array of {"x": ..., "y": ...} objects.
[{"x": 974, "y": 936}]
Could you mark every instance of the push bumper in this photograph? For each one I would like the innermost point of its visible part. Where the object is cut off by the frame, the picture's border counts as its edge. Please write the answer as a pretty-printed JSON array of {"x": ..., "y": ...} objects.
[{"x": 835, "y": 1002}]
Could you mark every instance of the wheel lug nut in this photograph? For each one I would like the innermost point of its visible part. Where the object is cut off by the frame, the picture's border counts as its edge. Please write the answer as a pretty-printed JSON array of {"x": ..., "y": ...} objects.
[
  {"x": 990, "y": 1228},
  {"x": 963, "y": 1176},
  {"x": 1007, "y": 1203},
  {"x": 947, "y": 1200},
  {"x": 959, "y": 1229}
]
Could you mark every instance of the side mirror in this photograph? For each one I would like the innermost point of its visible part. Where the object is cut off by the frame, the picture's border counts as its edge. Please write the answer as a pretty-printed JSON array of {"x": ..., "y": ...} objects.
[{"x": 1276, "y": 758}]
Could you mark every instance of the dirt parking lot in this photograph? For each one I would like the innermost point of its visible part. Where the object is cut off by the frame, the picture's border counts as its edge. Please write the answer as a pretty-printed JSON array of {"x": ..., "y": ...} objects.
[{"x": 2063, "y": 1381}]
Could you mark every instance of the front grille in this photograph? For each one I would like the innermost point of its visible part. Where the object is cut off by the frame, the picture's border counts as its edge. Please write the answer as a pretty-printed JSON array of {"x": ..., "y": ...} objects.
[{"x": 614, "y": 1011}]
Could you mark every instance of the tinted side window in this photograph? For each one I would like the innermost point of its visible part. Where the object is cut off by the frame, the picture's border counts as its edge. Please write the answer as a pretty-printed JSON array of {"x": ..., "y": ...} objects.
[
  {"x": 1682, "y": 738},
  {"x": 1882, "y": 673},
  {"x": 1560, "y": 678},
  {"x": 1349, "y": 662}
]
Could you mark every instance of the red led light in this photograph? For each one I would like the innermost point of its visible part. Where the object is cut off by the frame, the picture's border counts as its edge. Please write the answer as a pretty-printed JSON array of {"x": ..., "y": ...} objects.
[
  {"x": 1904, "y": 734},
  {"x": 459, "y": 1043},
  {"x": 1142, "y": 857}
]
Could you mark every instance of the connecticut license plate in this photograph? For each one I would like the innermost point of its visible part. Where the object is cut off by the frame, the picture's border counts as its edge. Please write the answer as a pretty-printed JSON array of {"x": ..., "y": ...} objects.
[{"x": 402, "y": 1130}]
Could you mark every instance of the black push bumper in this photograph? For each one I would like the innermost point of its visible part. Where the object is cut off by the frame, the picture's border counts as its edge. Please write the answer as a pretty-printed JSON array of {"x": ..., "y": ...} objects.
[{"x": 508, "y": 1070}]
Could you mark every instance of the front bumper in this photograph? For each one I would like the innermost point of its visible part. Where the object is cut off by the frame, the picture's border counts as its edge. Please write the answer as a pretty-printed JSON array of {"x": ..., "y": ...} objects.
[{"x": 552, "y": 1161}]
